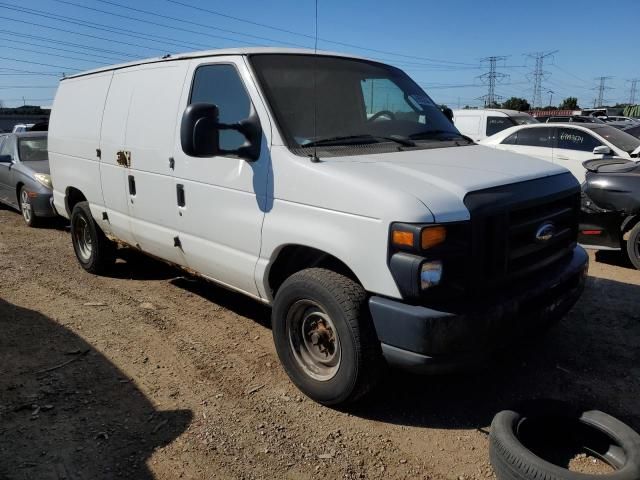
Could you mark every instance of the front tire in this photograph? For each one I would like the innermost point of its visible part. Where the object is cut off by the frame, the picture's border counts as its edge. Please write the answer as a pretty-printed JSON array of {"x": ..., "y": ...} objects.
[
  {"x": 94, "y": 251},
  {"x": 633, "y": 246},
  {"x": 26, "y": 208},
  {"x": 324, "y": 336}
]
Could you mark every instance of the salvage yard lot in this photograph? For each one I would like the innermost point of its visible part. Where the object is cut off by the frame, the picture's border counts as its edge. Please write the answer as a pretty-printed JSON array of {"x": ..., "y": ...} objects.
[{"x": 147, "y": 374}]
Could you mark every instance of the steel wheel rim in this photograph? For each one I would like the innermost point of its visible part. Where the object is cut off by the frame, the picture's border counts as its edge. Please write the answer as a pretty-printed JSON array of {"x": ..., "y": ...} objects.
[
  {"x": 82, "y": 239},
  {"x": 314, "y": 340},
  {"x": 25, "y": 206}
]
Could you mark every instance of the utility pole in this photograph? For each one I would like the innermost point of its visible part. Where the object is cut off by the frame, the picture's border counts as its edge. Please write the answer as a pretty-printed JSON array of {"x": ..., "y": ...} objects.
[
  {"x": 538, "y": 76},
  {"x": 633, "y": 90},
  {"x": 491, "y": 78},
  {"x": 550, "y": 92},
  {"x": 601, "y": 89}
]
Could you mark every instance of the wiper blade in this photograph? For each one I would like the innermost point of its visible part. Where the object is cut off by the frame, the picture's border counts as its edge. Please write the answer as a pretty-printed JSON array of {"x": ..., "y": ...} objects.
[
  {"x": 355, "y": 139},
  {"x": 437, "y": 135}
]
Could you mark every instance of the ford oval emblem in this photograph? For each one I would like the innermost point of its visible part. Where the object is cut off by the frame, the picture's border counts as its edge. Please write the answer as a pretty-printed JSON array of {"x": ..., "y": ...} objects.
[{"x": 545, "y": 232}]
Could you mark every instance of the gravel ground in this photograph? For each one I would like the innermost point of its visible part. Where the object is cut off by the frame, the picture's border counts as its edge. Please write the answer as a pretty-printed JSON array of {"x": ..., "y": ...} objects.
[{"x": 147, "y": 374}]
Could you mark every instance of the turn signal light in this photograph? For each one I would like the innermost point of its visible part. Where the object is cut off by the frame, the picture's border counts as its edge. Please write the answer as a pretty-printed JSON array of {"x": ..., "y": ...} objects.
[
  {"x": 432, "y": 236},
  {"x": 401, "y": 238}
]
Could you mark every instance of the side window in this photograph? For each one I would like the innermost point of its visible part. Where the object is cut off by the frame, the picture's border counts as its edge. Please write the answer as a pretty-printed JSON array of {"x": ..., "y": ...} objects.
[
  {"x": 497, "y": 124},
  {"x": 535, "y": 137},
  {"x": 511, "y": 139},
  {"x": 571, "y": 139},
  {"x": 222, "y": 86}
]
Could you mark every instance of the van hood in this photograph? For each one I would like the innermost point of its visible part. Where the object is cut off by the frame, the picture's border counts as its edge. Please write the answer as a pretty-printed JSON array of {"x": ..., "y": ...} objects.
[{"x": 441, "y": 178}]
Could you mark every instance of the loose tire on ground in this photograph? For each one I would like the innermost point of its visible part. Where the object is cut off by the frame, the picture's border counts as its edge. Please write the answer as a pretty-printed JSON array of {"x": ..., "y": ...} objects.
[
  {"x": 26, "y": 210},
  {"x": 94, "y": 251},
  {"x": 324, "y": 336},
  {"x": 515, "y": 436},
  {"x": 633, "y": 246}
]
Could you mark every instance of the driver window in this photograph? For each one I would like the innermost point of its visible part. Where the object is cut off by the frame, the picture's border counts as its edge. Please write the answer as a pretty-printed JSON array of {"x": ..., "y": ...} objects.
[
  {"x": 573, "y": 139},
  {"x": 382, "y": 95},
  {"x": 222, "y": 86}
]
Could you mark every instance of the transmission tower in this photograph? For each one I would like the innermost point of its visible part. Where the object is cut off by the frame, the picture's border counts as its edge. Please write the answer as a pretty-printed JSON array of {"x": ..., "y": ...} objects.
[
  {"x": 538, "y": 76},
  {"x": 633, "y": 90},
  {"x": 491, "y": 78},
  {"x": 601, "y": 89}
]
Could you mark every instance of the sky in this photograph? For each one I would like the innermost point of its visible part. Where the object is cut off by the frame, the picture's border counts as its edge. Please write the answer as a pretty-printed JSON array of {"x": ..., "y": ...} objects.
[{"x": 440, "y": 44}]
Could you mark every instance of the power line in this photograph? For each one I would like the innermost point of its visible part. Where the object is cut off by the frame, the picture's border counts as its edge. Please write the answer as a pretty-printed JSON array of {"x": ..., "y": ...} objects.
[
  {"x": 105, "y": 28},
  {"x": 538, "y": 76},
  {"x": 66, "y": 57},
  {"x": 94, "y": 55},
  {"x": 163, "y": 25},
  {"x": 491, "y": 78},
  {"x": 326, "y": 40},
  {"x": 38, "y": 63}
]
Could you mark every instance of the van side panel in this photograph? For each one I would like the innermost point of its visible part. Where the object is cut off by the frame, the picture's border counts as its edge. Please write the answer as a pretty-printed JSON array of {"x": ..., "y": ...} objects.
[{"x": 74, "y": 136}]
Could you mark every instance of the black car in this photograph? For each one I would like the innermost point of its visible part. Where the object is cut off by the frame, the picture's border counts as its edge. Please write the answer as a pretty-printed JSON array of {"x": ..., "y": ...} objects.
[{"x": 611, "y": 207}]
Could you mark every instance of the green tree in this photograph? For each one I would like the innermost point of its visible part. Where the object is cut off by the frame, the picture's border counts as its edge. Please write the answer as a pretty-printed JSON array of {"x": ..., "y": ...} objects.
[
  {"x": 569, "y": 103},
  {"x": 515, "y": 103}
]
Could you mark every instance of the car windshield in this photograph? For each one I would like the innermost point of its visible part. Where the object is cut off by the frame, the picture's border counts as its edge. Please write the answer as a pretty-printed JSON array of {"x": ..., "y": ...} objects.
[
  {"x": 322, "y": 100},
  {"x": 32, "y": 149},
  {"x": 620, "y": 139}
]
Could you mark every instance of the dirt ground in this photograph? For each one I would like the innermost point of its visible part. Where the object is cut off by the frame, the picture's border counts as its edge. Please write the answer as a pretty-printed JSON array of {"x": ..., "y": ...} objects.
[{"x": 147, "y": 374}]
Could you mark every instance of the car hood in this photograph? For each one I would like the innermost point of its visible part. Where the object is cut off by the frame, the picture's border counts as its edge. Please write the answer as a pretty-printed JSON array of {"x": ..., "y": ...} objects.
[
  {"x": 441, "y": 178},
  {"x": 40, "y": 166}
]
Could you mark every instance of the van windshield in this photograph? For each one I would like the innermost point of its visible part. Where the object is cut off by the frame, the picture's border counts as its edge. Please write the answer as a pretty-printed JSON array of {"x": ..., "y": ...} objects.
[{"x": 356, "y": 102}]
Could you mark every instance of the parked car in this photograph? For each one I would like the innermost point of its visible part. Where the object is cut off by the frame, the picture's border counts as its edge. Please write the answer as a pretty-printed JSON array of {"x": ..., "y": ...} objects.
[
  {"x": 568, "y": 144},
  {"x": 634, "y": 130},
  {"x": 25, "y": 183},
  {"x": 611, "y": 207},
  {"x": 619, "y": 120},
  {"x": 374, "y": 237},
  {"x": 481, "y": 123}
]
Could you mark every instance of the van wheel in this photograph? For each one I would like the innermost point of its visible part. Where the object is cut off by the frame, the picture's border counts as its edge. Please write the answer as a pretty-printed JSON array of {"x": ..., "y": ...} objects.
[
  {"x": 94, "y": 251},
  {"x": 633, "y": 246},
  {"x": 26, "y": 209},
  {"x": 324, "y": 336}
]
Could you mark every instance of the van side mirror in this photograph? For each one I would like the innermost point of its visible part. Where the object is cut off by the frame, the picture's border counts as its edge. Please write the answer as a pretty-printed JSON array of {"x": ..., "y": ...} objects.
[
  {"x": 6, "y": 159},
  {"x": 199, "y": 130},
  {"x": 200, "y": 133},
  {"x": 601, "y": 150}
]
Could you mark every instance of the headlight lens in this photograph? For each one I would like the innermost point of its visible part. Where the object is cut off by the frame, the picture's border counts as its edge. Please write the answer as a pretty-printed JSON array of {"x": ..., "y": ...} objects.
[
  {"x": 430, "y": 274},
  {"x": 44, "y": 179}
]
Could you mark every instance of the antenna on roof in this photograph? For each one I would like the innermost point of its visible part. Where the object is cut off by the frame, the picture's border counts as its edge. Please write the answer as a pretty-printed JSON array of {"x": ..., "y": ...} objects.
[{"x": 314, "y": 157}]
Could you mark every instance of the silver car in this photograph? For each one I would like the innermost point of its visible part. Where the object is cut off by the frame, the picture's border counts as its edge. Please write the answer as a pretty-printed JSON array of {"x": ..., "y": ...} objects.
[{"x": 25, "y": 183}]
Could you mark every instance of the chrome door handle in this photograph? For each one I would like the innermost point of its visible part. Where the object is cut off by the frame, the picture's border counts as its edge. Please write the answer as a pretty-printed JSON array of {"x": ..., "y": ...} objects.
[{"x": 562, "y": 158}]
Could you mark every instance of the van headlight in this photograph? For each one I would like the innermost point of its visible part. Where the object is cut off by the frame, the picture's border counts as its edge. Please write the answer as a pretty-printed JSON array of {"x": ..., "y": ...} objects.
[
  {"x": 44, "y": 179},
  {"x": 430, "y": 274}
]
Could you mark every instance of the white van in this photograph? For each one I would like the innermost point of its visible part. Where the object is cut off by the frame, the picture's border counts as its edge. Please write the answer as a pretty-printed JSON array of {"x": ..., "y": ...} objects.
[
  {"x": 482, "y": 123},
  {"x": 329, "y": 187}
]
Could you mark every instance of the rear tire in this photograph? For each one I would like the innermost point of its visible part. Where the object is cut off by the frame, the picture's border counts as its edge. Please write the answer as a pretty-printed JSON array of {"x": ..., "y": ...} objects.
[
  {"x": 633, "y": 246},
  {"x": 324, "y": 336},
  {"x": 26, "y": 209},
  {"x": 94, "y": 251}
]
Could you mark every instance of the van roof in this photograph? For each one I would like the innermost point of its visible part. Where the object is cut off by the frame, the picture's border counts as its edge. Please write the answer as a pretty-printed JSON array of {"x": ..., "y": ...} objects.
[{"x": 211, "y": 53}]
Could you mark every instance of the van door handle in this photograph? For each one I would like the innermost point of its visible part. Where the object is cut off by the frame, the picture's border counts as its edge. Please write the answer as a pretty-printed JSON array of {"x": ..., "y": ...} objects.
[
  {"x": 561, "y": 157},
  {"x": 132, "y": 186},
  {"x": 180, "y": 195}
]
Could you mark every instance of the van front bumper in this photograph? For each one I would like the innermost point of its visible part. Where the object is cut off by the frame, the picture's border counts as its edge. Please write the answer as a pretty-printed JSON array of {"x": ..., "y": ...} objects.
[{"x": 424, "y": 340}]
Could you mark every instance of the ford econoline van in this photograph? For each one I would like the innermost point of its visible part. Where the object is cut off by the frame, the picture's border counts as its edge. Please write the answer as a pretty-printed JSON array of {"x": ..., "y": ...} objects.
[
  {"x": 481, "y": 123},
  {"x": 329, "y": 187}
]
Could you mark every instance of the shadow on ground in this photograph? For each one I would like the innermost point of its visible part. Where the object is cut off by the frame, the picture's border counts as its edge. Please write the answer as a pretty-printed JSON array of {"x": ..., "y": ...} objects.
[
  {"x": 591, "y": 359},
  {"x": 616, "y": 258},
  {"x": 66, "y": 411}
]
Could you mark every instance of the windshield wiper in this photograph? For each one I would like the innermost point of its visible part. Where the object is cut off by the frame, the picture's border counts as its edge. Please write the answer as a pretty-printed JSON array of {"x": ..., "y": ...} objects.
[
  {"x": 355, "y": 139},
  {"x": 437, "y": 135}
]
